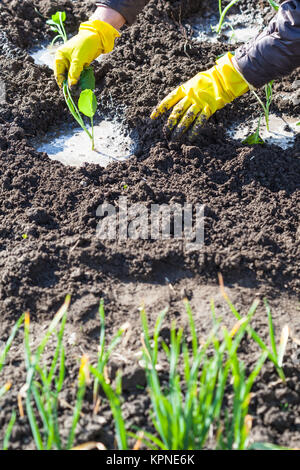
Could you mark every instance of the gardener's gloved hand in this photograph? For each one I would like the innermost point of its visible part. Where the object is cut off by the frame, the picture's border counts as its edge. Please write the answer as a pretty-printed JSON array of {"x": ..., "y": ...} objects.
[
  {"x": 94, "y": 38},
  {"x": 196, "y": 100}
]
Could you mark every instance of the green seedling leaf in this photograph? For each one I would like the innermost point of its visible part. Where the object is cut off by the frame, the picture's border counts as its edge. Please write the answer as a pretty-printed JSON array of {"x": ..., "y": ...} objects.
[
  {"x": 87, "y": 103},
  {"x": 59, "y": 16},
  {"x": 56, "y": 24},
  {"x": 9, "y": 430},
  {"x": 274, "y": 5},
  {"x": 253, "y": 139},
  {"x": 271, "y": 329},
  {"x": 51, "y": 23},
  {"x": 10, "y": 341},
  {"x": 87, "y": 79},
  {"x": 298, "y": 123},
  {"x": 266, "y": 107},
  {"x": 73, "y": 108},
  {"x": 269, "y": 90}
]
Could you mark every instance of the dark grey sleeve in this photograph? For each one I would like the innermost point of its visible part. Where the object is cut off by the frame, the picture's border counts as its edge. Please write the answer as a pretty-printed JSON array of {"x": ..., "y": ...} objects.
[
  {"x": 275, "y": 52},
  {"x": 128, "y": 8}
]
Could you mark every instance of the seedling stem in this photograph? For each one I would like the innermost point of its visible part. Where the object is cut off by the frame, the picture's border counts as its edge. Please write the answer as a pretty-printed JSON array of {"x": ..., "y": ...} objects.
[
  {"x": 93, "y": 133},
  {"x": 266, "y": 107},
  {"x": 255, "y": 138},
  {"x": 274, "y": 5},
  {"x": 223, "y": 13},
  {"x": 73, "y": 108}
]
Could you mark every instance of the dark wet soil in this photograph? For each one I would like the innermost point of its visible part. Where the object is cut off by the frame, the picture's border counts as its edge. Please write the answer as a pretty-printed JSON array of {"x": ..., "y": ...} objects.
[{"x": 251, "y": 198}]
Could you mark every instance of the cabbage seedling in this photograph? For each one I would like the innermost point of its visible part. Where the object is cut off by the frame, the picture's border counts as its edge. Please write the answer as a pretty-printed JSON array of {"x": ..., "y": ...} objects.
[
  {"x": 254, "y": 139},
  {"x": 73, "y": 108},
  {"x": 87, "y": 104},
  {"x": 57, "y": 25}
]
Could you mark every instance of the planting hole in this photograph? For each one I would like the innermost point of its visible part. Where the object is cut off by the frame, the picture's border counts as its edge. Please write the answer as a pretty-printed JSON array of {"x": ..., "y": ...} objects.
[
  {"x": 235, "y": 29},
  {"x": 71, "y": 146},
  {"x": 283, "y": 130}
]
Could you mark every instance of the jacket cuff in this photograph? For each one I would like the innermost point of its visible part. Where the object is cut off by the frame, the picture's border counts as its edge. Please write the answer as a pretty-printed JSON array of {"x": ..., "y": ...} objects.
[
  {"x": 236, "y": 66},
  {"x": 127, "y": 8}
]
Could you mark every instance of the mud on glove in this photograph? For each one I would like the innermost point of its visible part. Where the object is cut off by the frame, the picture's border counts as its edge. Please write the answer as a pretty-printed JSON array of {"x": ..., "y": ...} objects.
[
  {"x": 198, "y": 99},
  {"x": 94, "y": 38}
]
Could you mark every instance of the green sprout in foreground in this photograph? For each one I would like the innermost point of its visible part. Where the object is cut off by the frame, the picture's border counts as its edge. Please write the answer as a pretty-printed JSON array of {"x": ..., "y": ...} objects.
[
  {"x": 191, "y": 403},
  {"x": 185, "y": 406},
  {"x": 44, "y": 384}
]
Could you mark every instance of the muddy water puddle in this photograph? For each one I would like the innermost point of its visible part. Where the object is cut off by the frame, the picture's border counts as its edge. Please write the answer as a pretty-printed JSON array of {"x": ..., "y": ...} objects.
[
  {"x": 43, "y": 55},
  {"x": 71, "y": 146},
  {"x": 236, "y": 28},
  {"x": 283, "y": 130}
]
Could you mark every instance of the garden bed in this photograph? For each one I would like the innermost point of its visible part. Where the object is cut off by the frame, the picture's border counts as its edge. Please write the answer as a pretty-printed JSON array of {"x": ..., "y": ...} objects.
[{"x": 48, "y": 219}]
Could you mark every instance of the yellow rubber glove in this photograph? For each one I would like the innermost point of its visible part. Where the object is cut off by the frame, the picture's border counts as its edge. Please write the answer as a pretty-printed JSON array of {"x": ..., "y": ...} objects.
[
  {"x": 196, "y": 100},
  {"x": 94, "y": 38}
]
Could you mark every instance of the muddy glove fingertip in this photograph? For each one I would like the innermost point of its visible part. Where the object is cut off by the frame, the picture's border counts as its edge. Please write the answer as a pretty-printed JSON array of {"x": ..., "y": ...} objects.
[
  {"x": 197, "y": 126},
  {"x": 167, "y": 103},
  {"x": 154, "y": 114},
  {"x": 75, "y": 70},
  {"x": 61, "y": 65}
]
